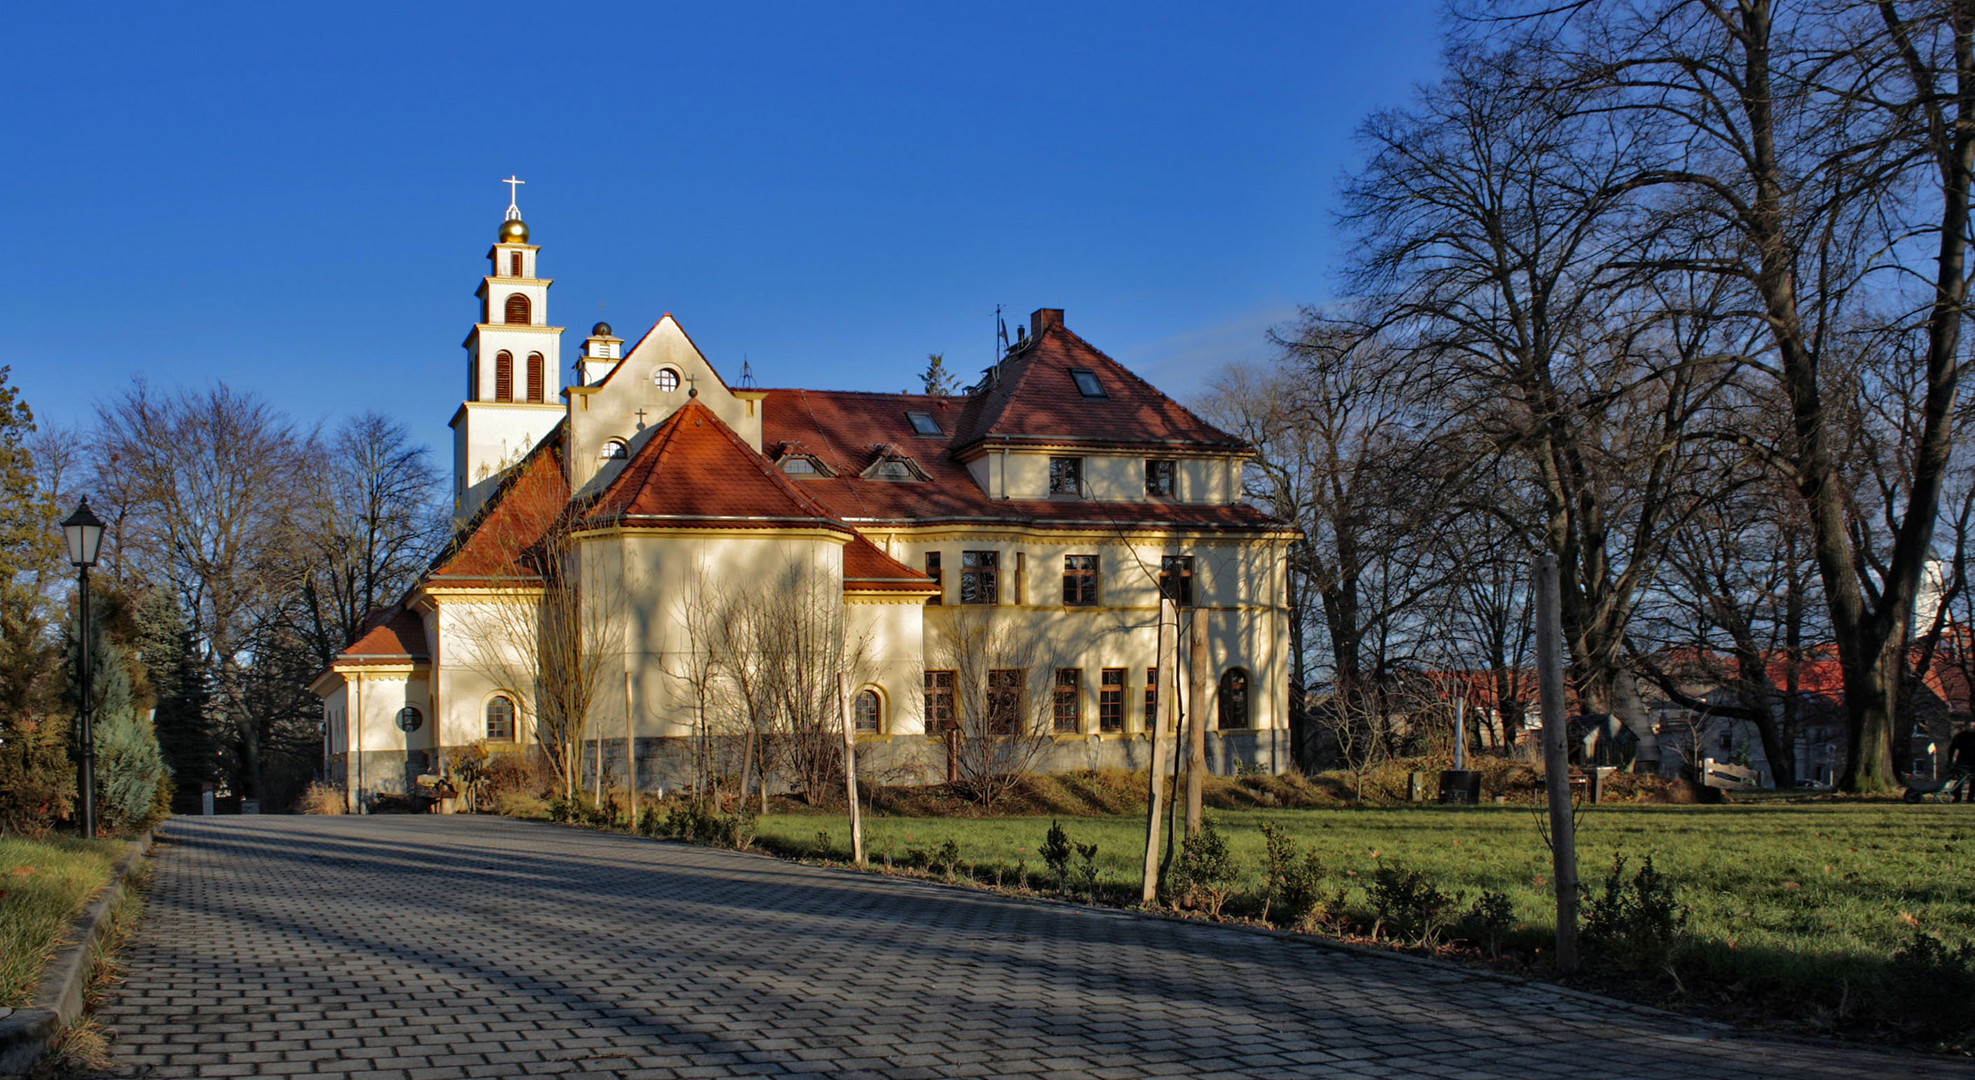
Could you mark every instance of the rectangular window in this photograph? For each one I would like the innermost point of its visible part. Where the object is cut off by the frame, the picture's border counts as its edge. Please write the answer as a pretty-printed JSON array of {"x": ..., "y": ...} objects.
[
  {"x": 514, "y": 264},
  {"x": 1066, "y": 475},
  {"x": 1021, "y": 578},
  {"x": 980, "y": 579},
  {"x": 940, "y": 716},
  {"x": 933, "y": 571},
  {"x": 1087, "y": 382},
  {"x": 924, "y": 424},
  {"x": 1176, "y": 579},
  {"x": 1159, "y": 477},
  {"x": 1068, "y": 710},
  {"x": 1004, "y": 700},
  {"x": 1080, "y": 580},
  {"x": 1111, "y": 700},
  {"x": 1151, "y": 699}
]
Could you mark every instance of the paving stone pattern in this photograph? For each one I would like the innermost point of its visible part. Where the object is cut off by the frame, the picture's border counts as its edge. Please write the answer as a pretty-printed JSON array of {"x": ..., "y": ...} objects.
[{"x": 405, "y": 948}]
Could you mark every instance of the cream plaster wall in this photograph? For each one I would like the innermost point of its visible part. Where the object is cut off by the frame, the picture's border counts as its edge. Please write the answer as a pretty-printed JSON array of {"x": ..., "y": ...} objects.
[
  {"x": 488, "y": 437},
  {"x": 483, "y": 648}
]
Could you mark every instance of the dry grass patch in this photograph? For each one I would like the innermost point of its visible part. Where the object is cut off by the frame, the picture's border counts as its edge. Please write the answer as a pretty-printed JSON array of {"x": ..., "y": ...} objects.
[{"x": 43, "y": 884}]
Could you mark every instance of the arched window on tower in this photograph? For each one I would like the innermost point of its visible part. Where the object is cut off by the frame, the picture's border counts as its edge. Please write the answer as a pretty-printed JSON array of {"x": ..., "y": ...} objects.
[
  {"x": 504, "y": 376},
  {"x": 517, "y": 309},
  {"x": 535, "y": 376},
  {"x": 1234, "y": 699},
  {"x": 514, "y": 264}
]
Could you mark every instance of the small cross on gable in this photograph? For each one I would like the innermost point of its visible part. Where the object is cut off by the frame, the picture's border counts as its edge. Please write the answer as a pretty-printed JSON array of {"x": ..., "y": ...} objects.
[{"x": 641, "y": 419}]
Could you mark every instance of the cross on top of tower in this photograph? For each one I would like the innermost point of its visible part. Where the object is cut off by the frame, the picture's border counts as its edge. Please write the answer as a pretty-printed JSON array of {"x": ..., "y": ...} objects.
[{"x": 513, "y": 187}]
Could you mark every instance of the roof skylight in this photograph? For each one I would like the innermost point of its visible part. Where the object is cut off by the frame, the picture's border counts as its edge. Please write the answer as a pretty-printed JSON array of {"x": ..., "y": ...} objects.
[
  {"x": 924, "y": 424},
  {"x": 1087, "y": 383}
]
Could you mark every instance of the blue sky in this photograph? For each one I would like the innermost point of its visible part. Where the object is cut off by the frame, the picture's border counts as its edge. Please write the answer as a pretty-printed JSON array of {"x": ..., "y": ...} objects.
[{"x": 297, "y": 199}]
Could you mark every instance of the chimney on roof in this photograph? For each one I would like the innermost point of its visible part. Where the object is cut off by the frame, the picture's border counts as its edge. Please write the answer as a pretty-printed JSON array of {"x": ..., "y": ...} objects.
[{"x": 1044, "y": 318}]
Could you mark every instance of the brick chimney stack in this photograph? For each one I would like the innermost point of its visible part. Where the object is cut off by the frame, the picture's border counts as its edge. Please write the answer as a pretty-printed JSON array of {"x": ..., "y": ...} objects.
[{"x": 1044, "y": 318}]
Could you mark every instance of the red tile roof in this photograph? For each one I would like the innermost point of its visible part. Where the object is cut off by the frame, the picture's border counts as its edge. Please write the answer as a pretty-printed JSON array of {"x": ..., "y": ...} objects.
[
  {"x": 395, "y": 636},
  {"x": 1034, "y": 398},
  {"x": 506, "y": 533},
  {"x": 843, "y": 429},
  {"x": 694, "y": 470},
  {"x": 866, "y": 569}
]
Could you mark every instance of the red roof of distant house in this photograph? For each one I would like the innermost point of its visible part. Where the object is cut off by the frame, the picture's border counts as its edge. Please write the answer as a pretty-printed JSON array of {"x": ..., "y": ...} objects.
[
  {"x": 1034, "y": 397},
  {"x": 507, "y": 532},
  {"x": 394, "y": 636},
  {"x": 694, "y": 470}
]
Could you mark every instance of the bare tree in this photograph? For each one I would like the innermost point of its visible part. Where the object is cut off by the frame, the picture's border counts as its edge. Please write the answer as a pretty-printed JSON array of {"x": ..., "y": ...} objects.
[{"x": 1003, "y": 699}]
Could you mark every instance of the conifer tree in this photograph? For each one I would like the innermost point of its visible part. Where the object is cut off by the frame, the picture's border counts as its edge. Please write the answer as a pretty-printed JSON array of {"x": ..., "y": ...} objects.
[{"x": 936, "y": 378}]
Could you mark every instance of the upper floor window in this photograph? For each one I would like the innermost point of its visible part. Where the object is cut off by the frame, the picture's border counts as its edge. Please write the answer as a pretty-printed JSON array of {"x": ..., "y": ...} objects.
[
  {"x": 924, "y": 424},
  {"x": 500, "y": 720},
  {"x": 1159, "y": 477},
  {"x": 1067, "y": 709},
  {"x": 1087, "y": 383},
  {"x": 504, "y": 376},
  {"x": 665, "y": 379},
  {"x": 891, "y": 469},
  {"x": 613, "y": 450},
  {"x": 798, "y": 466},
  {"x": 536, "y": 388},
  {"x": 867, "y": 712},
  {"x": 1176, "y": 579},
  {"x": 1066, "y": 476},
  {"x": 514, "y": 264},
  {"x": 980, "y": 579},
  {"x": 933, "y": 571},
  {"x": 1080, "y": 580},
  {"x": 1233, "y": 703},
  {"x": 518, "y": 310}
]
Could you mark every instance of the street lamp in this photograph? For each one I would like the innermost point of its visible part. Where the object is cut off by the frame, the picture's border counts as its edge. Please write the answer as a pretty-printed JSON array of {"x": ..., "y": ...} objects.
[{"x": 84, "y": 533}]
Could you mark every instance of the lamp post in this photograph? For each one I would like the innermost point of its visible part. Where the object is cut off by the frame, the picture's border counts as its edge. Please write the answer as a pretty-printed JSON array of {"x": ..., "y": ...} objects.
[{"x": 83, "y": 532}]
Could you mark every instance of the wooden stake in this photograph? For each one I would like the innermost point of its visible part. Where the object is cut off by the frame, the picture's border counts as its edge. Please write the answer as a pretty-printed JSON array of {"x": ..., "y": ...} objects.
[
  {"x": 850, "y": 776},
  {"x": 1196, "y": 721},
  {"x": 1556, "y": 758},
  {"x": 1155, "y": 730}
]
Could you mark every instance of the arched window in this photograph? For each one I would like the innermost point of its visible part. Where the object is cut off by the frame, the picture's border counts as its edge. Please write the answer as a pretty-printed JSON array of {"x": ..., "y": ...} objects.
[
  {"x": 504, "y": 376},
  {"x": 500, "y": 720},
  {"x": 1234, "y": 698},
  {"x": 868, "y": 712},
  {"x": 535, "y": 390},
  {"x": 665, "y": 379},
  {"x": 517, "y": 309},
  {"x": 613, "y": 450}
]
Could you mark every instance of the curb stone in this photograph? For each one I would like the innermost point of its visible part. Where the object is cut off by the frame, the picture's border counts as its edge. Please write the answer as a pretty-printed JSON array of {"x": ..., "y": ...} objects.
[{"x": 25, "y": 1034}]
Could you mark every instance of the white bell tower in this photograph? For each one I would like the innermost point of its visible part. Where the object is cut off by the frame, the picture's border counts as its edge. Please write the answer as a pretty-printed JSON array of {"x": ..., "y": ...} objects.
[{"x": 513, "y": 364}]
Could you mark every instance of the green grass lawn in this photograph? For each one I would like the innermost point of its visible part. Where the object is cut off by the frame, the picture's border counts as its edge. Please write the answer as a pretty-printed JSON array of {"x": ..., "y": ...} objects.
[
  {"x": 1796, "y": 902},
  {"x": 43, "y": 884}
]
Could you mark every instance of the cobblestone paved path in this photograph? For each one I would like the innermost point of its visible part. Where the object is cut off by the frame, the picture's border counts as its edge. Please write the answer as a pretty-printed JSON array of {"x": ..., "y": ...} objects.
[{"x": 416, "y": 947}]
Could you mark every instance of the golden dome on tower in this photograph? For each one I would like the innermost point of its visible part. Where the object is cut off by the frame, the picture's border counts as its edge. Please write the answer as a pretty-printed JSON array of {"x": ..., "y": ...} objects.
[{"x": 514, "y": 231}]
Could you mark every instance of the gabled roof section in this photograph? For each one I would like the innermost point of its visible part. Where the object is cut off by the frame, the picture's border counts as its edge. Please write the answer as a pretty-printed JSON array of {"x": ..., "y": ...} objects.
[
  {"x": 694, "y": 470},
  {"x": 1032, "y": 396},
  {"x": 394, "y": 636},
  {"x": 867, "y": 569},
  {"x": 507, "y": 532}
]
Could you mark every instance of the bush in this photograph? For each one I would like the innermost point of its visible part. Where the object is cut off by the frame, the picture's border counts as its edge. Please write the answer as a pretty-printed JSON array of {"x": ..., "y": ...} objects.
[
  {"x": 1409, "y": 905},
  {"x": 1055, "y": 852},
  {"x": 321, "y": 798},
  {"x": 1936, "y": 984},
  {"x": 1292, "y": 888},
  {"x": 1490, "y": 921},
  {"x": 701, "y": 821},
  {"x": 1206, "y": 872},
  {"x": 37, "y": 780},
  {"x": 1634, "y": 922}
]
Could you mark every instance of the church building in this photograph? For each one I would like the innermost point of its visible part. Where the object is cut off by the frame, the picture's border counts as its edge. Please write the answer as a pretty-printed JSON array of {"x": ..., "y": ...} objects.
[{"x": 611, "y": 529}]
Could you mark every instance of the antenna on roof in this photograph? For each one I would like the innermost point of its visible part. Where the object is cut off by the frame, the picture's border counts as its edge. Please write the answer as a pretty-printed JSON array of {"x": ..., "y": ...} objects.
[{"x": 747, "y": 373}]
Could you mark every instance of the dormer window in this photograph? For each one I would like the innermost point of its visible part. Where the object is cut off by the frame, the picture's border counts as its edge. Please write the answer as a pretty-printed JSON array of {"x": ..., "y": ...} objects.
[
  {"x": 799, "y": 466},
  {"x": 1087, "y": 383},
  {"x": 924, "y": 424},
  {"x": 891, "y": 469}
]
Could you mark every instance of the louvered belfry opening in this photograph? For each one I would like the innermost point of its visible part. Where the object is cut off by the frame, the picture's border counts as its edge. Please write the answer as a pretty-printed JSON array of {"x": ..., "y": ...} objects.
[
  {"x": 504, "y": 376},
  {"x": 535, "y": 376},
  {"x": 514, "y": 264},
  {"x": 517, "y": 309}
]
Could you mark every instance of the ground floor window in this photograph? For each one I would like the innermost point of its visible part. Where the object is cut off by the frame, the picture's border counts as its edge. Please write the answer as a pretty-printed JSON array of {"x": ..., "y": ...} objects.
[
  {"x": 867, "y": 712},
  {"x": 1068, "y": 712},
  {"x": 1234, "y": 698},
  {"x": 1004, "y": 700},
  {"x": 1152, "y": 699},
  {"x": 1111, "y": 700},
  {"x": 939, "y": 702},
  {"x": 500, "y": 720}
]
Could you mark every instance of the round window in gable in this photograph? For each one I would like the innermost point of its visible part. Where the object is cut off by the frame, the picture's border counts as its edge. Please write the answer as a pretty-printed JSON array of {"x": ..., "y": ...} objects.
[{"x": 666, "y": 379}]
